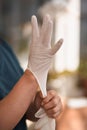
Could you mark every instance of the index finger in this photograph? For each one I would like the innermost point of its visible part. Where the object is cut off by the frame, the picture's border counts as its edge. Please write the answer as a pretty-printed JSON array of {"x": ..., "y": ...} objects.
[{"x": 50, "y": 95}]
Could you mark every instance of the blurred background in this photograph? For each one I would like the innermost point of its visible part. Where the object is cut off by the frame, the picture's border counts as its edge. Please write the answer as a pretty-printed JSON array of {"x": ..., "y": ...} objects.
[{"x": 68, "y": 72}]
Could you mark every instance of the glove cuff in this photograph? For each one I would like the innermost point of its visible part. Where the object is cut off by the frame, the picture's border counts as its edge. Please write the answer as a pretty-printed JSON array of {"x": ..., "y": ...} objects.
[{"x": 41, "y": 79}]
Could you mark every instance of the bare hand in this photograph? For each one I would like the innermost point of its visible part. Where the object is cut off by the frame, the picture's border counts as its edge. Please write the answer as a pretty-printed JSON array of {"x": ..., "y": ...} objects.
[{"x": 52, "y": 103}]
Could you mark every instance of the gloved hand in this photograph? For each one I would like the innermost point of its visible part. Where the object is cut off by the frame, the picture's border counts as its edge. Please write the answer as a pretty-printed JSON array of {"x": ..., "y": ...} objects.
[{"x": 41, "y": 53}]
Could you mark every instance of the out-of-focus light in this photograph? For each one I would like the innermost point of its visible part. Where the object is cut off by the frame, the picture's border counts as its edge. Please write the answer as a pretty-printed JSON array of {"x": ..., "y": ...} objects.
[
  {"x": 59, "y": 1},
  {"x": 67, "y": 26},
  {"x": 53, "y": 7},
  {"x": 77, "y": 102}
]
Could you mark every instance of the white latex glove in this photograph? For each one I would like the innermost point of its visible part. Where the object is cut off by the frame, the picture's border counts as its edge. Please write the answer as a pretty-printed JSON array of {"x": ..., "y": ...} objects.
[
  {"x": 40, "y": 57},
  {"x": 41, "y": 53},
  {"x": 44, "y": 123}
]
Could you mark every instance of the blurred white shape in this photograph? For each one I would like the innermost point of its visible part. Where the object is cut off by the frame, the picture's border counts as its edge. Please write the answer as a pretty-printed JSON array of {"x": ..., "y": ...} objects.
[
  {"x": 77, "y": 102},
  {"x": 29, "y": 123},
  {"x": 53, "y": 7},
  {"x": 67, "y": 26}
]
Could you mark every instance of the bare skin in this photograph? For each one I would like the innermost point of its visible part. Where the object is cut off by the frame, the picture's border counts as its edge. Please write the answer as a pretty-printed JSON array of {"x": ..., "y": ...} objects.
[
  {"x": 17, "y": 101},
  {"x": 52, "y": 105},
  {"x": 25, "y": 100}
]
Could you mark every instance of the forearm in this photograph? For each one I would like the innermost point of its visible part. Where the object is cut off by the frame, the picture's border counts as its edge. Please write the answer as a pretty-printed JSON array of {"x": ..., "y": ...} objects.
[
  {"x": 15, "y": 104},
  {"x": 30, "y": 114},
  {"x": 34, "y": 107}
]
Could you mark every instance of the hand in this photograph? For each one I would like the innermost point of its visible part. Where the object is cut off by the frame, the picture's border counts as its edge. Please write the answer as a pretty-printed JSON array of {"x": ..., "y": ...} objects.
[
  {"x": 41, "y": 53},
  {"x": 52, "y": 104}
]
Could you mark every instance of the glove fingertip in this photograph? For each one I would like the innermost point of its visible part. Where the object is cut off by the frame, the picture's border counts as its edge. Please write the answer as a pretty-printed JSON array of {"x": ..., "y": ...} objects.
[
  {"x": 60, "y": 41},
  {"x": 56, "y": 46},
  {"x": 33, "y": 19}
]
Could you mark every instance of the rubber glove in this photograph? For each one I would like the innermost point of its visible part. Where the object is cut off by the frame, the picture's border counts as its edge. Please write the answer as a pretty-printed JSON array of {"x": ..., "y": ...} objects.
[
  {"x": 44, "y": 123},
  {"x": 41, "y": 53},
  {"x": 40, "y": 57}
]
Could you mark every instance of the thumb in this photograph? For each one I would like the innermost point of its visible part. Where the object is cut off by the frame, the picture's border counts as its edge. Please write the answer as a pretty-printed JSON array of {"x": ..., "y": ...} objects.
[{"x": 56, "y": 47}]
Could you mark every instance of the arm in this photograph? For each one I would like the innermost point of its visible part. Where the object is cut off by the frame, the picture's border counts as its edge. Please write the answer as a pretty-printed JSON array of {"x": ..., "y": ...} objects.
[
  {"x": 17, "y": 101},
  {"x": 34, "y": 107}
]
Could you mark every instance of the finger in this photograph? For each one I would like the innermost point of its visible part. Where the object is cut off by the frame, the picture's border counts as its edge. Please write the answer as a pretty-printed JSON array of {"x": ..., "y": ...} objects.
[
  {"x": 35, "y": 29},
  {"x": 50, "y": 95},
  {"x": 51, "y": 104},
  {"x": 56, "y": 47},
  {"x": 46, "y": 31},
  {"x": 40, "y": 94},
  {"x": 53, "y": 111},
  {"x": 55, "y": 115},
  {"x": 48, "y": 34}
]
